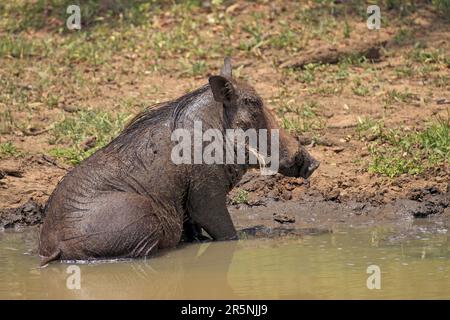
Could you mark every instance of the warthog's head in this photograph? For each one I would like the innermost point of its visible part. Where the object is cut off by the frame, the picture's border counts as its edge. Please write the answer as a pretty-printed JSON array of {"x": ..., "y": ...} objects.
[{"x": 244, "y": 109}]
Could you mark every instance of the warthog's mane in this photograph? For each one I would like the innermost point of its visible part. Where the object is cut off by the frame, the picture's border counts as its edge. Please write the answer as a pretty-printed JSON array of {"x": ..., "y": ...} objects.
[
  {"x": 174, "y": 109},
  {"x": 140, "y": 129}
]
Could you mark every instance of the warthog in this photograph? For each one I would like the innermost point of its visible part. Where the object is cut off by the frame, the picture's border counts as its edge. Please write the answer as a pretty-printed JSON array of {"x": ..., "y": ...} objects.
[{"x": 129, "y": 198}]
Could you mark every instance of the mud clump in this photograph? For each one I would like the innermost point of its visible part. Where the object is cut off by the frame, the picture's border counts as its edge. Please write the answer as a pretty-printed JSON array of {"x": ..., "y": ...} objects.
[
  {"x": 425, "y": 209},
  {"x": 333, "y": 195},
  {"x": 261, "y": 231},
  {"x": 265, "y": 189},
  {"x": 29, "y": 214},
  {"x": 283, "y": 218},
  {"x": 428, "y": 201}
]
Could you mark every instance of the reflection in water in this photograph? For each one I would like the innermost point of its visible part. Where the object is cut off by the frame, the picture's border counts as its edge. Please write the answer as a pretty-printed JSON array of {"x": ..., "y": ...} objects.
[{"x": 322, "y": 266}]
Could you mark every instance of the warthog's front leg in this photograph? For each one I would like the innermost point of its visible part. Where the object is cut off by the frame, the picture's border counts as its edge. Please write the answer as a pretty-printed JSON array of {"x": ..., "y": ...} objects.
[
  {"x": 192, "y": 232},
  {"x": 207, "y": 207}
]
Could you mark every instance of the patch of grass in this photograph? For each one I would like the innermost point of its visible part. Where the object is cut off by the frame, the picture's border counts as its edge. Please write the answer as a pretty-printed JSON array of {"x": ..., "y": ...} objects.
[
  {"x": 393, "y": 96},
  {"x": 255, "y": 37},
  {"x": 443, "y": 6},
  {"x": 369, "y": 128},
  {"x": 347, "y": 28},
  {"x": 441, "y": 81},
  {"x": 17, "y": 46},
  {"x": 399, "y": 152},
  {"x": 327, "y": 90},
  {"x": 341, "y": 74},
  {"x": 193, "y": 69},
  {"x": 320, "y": 23},
  {"x": 307, "y": 75},
  {"x": 404, "y": 71},
  {"x": 405, "y": 7},
  {"x": 430, "y": 56},
  {"x": 8, "y": 149},
  {"x": 52, "y": 14},
  {"x": 70, "y": 155},
  {"x": 287, "y": 39},
  {"x": 99, "y": 126},
  {"x": 359, "y": 89},
  {"x": 300, "y": 119},
  {"x": 240, "y": 197},
  {"x": 7, "y": 123},
  {"x": 403, "y": 36},
  {"x": 355, "y": 59}
]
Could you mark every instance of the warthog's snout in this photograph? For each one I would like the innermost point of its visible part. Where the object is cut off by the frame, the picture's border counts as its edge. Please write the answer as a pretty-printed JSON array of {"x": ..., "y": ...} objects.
[
  {"x": 301, "y": 165},
  {"x": 308, "y": 167},
  {"x": 306, "y": 163}
]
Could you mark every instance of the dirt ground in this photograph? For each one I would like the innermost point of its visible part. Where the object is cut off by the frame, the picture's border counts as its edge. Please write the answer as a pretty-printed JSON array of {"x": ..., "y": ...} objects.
[{"x": 345, "y": 96}]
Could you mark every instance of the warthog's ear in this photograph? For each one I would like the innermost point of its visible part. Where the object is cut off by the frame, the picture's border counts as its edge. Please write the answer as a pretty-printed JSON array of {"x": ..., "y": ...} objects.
[
  {"x": 223, "y": 90},
  {"x": 226, "y": 69}
]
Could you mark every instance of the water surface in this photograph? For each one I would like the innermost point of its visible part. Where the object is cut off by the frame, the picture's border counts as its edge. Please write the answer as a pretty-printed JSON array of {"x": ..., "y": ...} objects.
[{"x": 326, "y": 266}]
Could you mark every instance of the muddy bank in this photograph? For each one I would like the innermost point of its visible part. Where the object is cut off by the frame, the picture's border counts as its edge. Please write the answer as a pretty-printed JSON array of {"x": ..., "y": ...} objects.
[
  {"x": 29, "y": 214},
  {"x": 315, "y": 216},
  {"x": 272, "y": 206},
  {"x": 291, "y": 203}
]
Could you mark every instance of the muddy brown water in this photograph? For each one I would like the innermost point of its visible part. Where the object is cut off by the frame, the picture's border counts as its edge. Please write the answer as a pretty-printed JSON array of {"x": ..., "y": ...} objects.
[{"x": 325, "y": 265}]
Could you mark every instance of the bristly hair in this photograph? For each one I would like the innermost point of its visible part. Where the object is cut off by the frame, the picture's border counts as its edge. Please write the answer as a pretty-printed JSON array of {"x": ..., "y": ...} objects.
[
  {"x": 173, "y": 111},
  {"x": 174, "y": 108}
]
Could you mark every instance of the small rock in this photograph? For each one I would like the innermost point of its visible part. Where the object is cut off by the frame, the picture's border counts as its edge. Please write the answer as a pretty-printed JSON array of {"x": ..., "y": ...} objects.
[
  {"x": 286, "y": 195},
  {"x": 254, "y": 200},
  {"x": 70, "y": 108},
  {"x": 283, "y": 218},
  {"x": 338, "y": 149},
  {"x": 443, "y": 101},
  {"x": 333, "y": 195},
  {"x": 13, "y": 172},
  {"x": 325, "y": 142},
  {"x": 371, "y": 137}
]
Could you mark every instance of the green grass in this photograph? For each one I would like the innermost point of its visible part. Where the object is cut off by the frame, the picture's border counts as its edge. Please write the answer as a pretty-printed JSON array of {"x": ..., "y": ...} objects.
[
  {"x": 428, "y": 56},
  {"x": 300, "y": 119},
  {"x": 404, "y": 71},
  {"x": 368, "y": 127},
  {"x": 240, "y": 197},
  {"x": 51, "y": 14},
  {"x": 403, "y": 36},
  {"x": 326, "y": 90},
  {"x": 359, "y": 89},
  {"x": 394, "y": 95},
  {"x": 7, "y": 123},
  {"x": 443, "y": 6},
  {"x": 287, "y": 39},
  {"x": 74, "y": 130},
  {"x": 397, "y": 151},
  {"x": 308, "y": 74},
  {"x": 347, "y": 28},
  {"x": 254, "y": 39},
  {"x": 17, "y": 46},
  {"x": 8, "y": 149},
  {"x": 193, "y": 69},
  {"x": 404, "y": 6}
]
